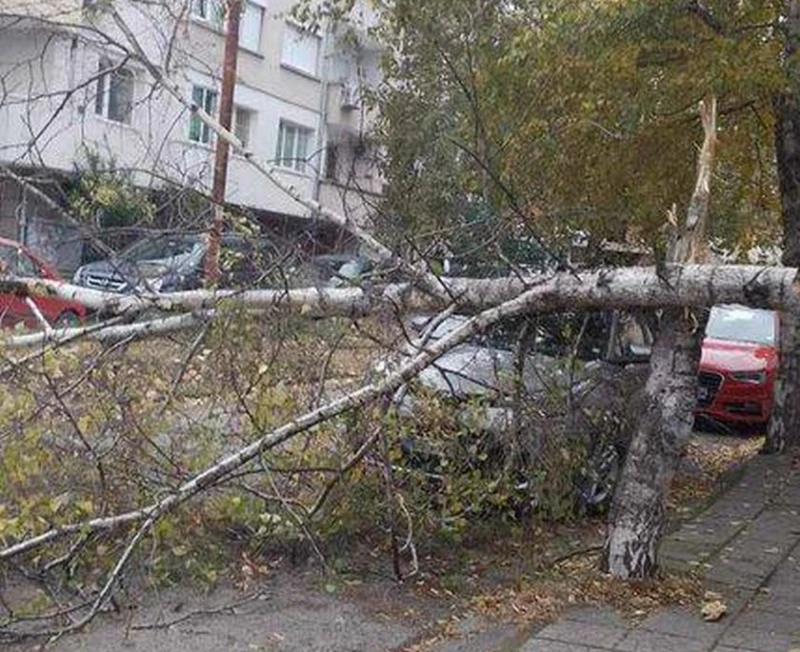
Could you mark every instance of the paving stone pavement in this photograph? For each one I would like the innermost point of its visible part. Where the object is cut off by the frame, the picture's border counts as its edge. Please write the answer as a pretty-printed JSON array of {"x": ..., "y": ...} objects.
[{"x": 748, "y": 545}]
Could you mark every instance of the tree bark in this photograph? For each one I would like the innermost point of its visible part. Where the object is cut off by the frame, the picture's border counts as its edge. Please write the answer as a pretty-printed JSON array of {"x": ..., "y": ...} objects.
[
  {"x": 622, "y": 287},
  {"x": 638, "y": 512},
  {"x": 782, "y": 431}
]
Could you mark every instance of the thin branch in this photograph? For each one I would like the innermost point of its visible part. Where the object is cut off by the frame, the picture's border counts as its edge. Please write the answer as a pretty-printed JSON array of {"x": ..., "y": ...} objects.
[
  {"x": 229, "y": 608},
  {"x": 699, "y": 9}
]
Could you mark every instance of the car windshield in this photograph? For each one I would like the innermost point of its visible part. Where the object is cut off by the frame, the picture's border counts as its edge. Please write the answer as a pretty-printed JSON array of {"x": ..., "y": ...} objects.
[
  {"x": 741, "y": 324},
  {"x": 163, "y": 247},
  {"x": 556, "y": 335}
]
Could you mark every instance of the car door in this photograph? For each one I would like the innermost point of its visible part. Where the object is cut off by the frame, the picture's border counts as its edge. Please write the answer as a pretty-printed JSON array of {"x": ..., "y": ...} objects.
[
  {"x": 17, "y": 263},
  {"x": 14, "y": 308},
  {"x": 50, "y": 306}
]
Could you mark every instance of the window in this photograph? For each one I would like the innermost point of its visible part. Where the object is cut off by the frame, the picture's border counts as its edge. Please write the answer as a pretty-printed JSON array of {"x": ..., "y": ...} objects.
[
  {"x": 209, "y": 10},
  {"x": 734, "y": 323},
  {"x": 250, "y": 20},
  {"x": 293, "y": 146},
  {"x": 26, "y": 267},
  {"x": 242, "y": 124},
  {"x": 199, "y": 132},
  {"x": 250, "y": 26},
  {"x": 114, "y": 98},
  {"x": 300, "y": 49}
]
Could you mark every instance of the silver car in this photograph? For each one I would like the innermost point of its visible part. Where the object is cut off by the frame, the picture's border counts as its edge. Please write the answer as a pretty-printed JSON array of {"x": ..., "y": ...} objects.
[{"x": 527, "y": 379}]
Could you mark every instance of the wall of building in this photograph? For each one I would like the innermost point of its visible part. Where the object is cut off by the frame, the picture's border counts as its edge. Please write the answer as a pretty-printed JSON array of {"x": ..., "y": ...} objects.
[{"x": 50, "y": 76}]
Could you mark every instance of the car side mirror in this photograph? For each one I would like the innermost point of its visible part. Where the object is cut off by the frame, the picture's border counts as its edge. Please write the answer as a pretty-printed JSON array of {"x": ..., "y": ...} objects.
[{"x": 640, "y": 350}]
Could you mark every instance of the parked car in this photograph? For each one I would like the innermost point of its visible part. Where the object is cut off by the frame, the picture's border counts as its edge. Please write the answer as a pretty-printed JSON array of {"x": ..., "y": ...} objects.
[
  {"x": 482, "y": 380},
  {"x": 17, "y": 260},
  {"x": 610, "y": 351},
  {"x": 333, "y": 270},
  {"x": 736, "y": 380},
  {"x": 736, "y": 375},
  {"x": 172, "y": 262}
]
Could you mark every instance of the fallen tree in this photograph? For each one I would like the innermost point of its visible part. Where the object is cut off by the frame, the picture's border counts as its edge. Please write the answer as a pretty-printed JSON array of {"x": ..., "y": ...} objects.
[
  {"x": 674, "y": 285},
  {"x": 690, "y": 285}
]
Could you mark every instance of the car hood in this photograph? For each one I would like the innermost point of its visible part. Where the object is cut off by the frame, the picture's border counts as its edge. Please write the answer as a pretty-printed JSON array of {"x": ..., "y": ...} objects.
[
  {"x": 118, "y": 268},
  {"x": 470, "y": 371},
  {"x": 722, "y": 355},
  {"x": 136, "y": 270}
]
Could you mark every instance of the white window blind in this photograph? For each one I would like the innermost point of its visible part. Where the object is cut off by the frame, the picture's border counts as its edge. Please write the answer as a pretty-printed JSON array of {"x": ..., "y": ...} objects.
[
  {"x": 250, "y": 26},
  {"x": 300, "y": 49}
]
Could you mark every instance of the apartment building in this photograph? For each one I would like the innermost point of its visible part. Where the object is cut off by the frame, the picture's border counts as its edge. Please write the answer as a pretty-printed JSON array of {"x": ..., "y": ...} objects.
[{"x": 70, "y": 88}]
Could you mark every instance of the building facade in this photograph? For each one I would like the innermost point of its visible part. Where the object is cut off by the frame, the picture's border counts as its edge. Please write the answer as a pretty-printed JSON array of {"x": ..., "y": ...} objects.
[{"x": 72, "y": 90}]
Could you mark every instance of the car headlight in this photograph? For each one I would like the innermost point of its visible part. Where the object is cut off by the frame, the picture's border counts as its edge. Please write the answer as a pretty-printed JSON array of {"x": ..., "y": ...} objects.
[
  {"x": 155, "y": 283},
  {"x": 752, "y": 377}
]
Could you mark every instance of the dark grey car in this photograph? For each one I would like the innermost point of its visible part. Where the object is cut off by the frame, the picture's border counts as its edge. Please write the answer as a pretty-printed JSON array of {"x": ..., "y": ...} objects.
[{"x": 172, "y": 262}]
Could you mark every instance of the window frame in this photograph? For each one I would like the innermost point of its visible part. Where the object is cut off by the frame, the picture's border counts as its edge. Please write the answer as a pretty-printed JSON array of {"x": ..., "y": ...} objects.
[
  {"x": 203, "y": 11},
  {"x": 237, "y": 109},
  {"x": 260, "y": 12},
  {"x": 295, "y": 162},
  {"x": 212, "y": 14},
  {"x": 205, "y": 134},
  {"x": 110, "y": 72}
]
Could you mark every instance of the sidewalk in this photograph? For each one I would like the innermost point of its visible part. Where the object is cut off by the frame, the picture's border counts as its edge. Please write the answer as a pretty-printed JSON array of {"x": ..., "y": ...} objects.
[{"x": 748, "y": 544}]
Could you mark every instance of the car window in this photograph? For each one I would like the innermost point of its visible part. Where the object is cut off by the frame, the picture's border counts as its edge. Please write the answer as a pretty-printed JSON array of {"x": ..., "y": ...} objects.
[
  {"x": 631, "y": 336},
  {"x": 26, "y": 267},
  {"x": 736, "y": 323},
  {"x": 15, "y": 261},
  {"x": 561, "y": 335},
  {"x": 8, "y": 257},
  {"x": 164, "y": 246}
]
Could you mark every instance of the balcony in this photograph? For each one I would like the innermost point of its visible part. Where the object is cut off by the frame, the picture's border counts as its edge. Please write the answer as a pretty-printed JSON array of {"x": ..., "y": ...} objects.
[{"x": 347, "y": 109}]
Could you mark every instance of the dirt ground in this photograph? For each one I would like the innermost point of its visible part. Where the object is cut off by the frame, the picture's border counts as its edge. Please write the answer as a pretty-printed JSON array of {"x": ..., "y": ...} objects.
[
  {"x": 290, "y": 612},
  {"x": 302, "y": 609}
]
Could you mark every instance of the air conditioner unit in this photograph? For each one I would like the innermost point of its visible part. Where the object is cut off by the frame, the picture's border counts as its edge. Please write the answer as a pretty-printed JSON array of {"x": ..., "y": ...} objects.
[{"x": 350, "y": 97}]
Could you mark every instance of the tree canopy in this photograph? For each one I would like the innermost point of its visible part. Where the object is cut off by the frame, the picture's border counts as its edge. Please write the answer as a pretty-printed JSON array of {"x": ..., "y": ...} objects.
[{"x": 578, "y": 115}]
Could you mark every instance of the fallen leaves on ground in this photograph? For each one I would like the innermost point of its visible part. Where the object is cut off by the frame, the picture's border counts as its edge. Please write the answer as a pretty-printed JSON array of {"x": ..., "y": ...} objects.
[
  {"x": 579, "y": 582},
  {"x": 706, "y": 460},
  {"x": 713, "y": 608}
]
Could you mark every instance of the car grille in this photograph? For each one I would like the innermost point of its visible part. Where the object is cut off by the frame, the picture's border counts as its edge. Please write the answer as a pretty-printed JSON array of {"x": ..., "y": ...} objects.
[
  {"x": 708, "y": 385},
  {"x": 105, "y": 283},
  {"x": 746, "y": 408}
]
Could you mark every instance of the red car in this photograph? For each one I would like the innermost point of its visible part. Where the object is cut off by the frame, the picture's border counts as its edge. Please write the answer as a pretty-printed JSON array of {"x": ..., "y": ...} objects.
[
  {"x": 738, "y": 365},
  {"x": 18, "y": 260}
]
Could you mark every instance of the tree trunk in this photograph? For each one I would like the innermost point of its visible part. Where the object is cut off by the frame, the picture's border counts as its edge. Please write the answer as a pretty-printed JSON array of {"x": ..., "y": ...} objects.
[
  {"x": 638, "y": 513},
  {"x": 782, "y": 431}
]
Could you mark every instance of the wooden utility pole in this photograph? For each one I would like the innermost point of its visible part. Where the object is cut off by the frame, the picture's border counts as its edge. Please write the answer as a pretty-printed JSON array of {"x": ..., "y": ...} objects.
[{"x": 233, "y": 10}]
